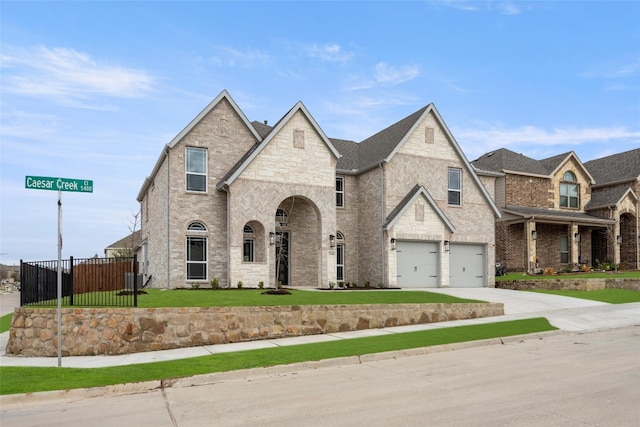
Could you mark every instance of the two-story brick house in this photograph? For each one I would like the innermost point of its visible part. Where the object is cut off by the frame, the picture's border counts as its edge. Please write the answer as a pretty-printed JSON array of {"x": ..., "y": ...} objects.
[
  {"x": 556, "y": 214},
  {"x": 244, "y": 201},
  {"x": 615, "y": 195}
]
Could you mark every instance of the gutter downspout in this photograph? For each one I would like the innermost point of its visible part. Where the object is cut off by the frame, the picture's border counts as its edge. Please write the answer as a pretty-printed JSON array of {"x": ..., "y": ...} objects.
[
  {"x": 168, "y": 217},
  {"x": 226, "y": 189},
  {"x": 383, "y": 251}
]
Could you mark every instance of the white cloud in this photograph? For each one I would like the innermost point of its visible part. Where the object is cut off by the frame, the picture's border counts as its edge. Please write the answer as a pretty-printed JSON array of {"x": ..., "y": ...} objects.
[
  {"x": 234, "y": 57},
  {"x": 612, "y": 71},
  {"x": 329, "y": 52},
  {"x": 477, "y": 141},
  {"x": 391, "y": 76},
  {"x": 65, "y": 74}
]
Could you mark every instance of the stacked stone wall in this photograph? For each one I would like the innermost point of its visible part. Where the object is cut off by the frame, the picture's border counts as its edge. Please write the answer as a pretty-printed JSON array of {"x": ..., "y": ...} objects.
[
  {"x": 564, "y": 284},
  {"x": 92, "y": 331}
]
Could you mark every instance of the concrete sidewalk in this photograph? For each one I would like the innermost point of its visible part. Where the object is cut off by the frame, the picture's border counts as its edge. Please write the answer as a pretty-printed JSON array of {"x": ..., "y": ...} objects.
[{"x": 567, "y": 314}]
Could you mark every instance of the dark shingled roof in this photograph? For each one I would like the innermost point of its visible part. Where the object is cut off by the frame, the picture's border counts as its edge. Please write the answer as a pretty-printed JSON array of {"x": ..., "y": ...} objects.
[
  {"x": 506, "y": 160},
  {"x": 563, "y": 215},
  {"x": 606, "y": 198},
  {"x": 616, "y": 168}
]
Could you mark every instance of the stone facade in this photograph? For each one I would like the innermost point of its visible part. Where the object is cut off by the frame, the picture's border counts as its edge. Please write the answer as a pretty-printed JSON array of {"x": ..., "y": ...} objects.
[
  {"x": 93, "y": 331},
  {"x": 569, "y": 284},
  {"x": 255, "y": 172}
]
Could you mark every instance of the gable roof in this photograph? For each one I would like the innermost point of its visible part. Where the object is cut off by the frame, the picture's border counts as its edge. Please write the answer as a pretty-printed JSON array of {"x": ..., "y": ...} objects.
[
  {"x": 609, "y": 197},
  {"x": 242, "y": 164},
  {"x": 507, "y": 161},
  {"x": 125, "y": 242},
  {"x": 621, "y": 167},
  {"x": 408, "y": 200},
  {"x": 165, "y": 151}
]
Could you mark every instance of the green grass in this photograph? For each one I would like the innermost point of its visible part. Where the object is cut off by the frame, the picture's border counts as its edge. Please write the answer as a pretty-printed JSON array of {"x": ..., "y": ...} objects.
[
  {"x": 254, "y": 297},
  {"x": 611, "y": 296},
  {"x": 590, "y": 275},
  {"x": 5, "y": 322},
  {"x": 29, "y": 379}
]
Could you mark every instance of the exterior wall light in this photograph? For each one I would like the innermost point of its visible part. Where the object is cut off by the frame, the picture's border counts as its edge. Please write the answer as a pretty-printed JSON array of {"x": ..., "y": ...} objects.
[
  {"x": 393, "y": 244},
  {"x": 272, "y": 238},
  {"x": 446, "y": 246},
  {"x": 619, "y": 239},
  {"x": 332, "y": 240},
  {"x": 534, "y": 235},
  {"x": 576, "y": 237}
]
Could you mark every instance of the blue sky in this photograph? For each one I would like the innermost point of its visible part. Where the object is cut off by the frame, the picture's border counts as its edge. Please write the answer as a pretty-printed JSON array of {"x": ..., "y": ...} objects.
[{"x": 93, "y": 90}]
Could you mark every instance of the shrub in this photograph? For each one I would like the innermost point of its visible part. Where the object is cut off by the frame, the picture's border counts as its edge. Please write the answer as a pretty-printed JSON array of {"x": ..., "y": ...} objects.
[
  {"x": 549, "y": 271},
  {"x": 239, "y": 284},
  {"x": 332, "y": 285},
  {"x": 215, "y": 283},
  {"x": 585, "y": 268},
  {"x": 367, "y": 284},
  {"x": 195, "y": 285},
  {"x": 261, "y": 284}
]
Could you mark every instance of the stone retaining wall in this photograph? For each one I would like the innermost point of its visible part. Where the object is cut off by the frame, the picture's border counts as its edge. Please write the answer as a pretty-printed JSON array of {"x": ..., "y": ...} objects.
[
  {"x": 92, "y": 331},
  {"x": 571, "y": 284}
]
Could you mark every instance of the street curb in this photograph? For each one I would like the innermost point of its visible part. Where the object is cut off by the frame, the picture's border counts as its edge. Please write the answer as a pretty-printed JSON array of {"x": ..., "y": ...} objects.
[{"x": 207, "y": 379}]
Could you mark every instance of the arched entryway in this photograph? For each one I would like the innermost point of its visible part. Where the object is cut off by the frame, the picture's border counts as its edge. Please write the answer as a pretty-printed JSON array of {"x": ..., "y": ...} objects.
[
  {"x": 298, "y": 243},
  {"x": 628, "y": 241}
]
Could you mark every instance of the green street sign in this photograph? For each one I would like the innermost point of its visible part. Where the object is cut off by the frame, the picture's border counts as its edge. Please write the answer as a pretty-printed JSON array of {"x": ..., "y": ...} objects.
[{"x": 58, "y": 184}]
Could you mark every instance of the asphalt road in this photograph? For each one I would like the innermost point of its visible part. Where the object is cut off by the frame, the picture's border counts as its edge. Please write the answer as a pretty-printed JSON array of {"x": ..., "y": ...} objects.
[{"x": 564, "y": 379}]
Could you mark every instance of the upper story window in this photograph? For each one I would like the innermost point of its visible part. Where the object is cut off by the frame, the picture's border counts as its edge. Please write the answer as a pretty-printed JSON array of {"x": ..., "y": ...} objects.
[
  {"x": 196, "y": 169},
  {"x": 455, "y": 187},
  {"x": 569, "y": 191},
  {"x": 339, "y": 191}
]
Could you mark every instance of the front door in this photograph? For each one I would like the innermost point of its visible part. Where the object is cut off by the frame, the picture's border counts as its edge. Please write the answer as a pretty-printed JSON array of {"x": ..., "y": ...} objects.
[{"x": 282, "y": 257}]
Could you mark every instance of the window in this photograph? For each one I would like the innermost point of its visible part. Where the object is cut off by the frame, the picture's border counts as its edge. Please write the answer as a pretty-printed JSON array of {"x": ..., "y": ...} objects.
[
  {"x": 196, "y": 258},
  {"x": 339, "y": 191},
  {"x": 340, "y": 256},
  {"x": 196, "y": 251},
  {"x": 564, "y": 249},
  {"x": 569, "y": 191},
  {"x": 196, "y": 169},
  {"x": 455, "y": 187},
  {"x": 248, "y": 245}
]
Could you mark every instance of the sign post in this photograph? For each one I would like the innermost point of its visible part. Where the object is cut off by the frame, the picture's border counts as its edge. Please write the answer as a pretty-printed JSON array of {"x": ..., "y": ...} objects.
[{"x": 59, "y": 185}]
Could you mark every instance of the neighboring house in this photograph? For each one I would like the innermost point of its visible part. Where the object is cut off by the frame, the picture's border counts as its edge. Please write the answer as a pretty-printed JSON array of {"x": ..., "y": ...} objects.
[
  {"x": 124, "y": 247},
  {"x": 244, "y": 201},
  {"x": 560, "y": 213},
  {"x": 615, "y": 195}
]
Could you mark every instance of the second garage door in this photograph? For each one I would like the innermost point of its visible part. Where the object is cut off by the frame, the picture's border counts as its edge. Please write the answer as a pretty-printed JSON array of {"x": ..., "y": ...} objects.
[
  {"x": 467, "y": 266},
  {"x": 417, "y": 264}
]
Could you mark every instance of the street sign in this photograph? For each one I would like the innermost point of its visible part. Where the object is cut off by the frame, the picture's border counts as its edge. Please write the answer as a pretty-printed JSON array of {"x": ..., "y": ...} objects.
[{"x": 58, "y": 184}]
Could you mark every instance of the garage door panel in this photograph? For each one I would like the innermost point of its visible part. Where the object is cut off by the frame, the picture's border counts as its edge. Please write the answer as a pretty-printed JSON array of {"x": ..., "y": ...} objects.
[
  {"x": 417, "y": 264},
  {"x": 467, "y": 266}
]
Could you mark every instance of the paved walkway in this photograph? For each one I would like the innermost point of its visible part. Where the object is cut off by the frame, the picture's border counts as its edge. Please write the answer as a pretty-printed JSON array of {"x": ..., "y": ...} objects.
[{"x": 567, "y": 314}]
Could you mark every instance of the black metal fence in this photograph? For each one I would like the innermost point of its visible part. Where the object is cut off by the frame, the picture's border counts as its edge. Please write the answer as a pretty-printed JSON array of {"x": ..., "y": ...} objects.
[{"x": 91, "y": 282}]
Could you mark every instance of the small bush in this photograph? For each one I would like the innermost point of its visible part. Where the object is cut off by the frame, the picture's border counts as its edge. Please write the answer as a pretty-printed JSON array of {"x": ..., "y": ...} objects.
[
  {"x": 549, "y": 271},
  {"x": 195, "y": 286},
  {"x": 332, "y": 285},
  {"x": 261, "y": 284},
  {"x": 585, "y": 268},
  {"x": 367, "y": 284},
  {"x": 215, "y": 283},
  {"x": 240, "y": 284}
]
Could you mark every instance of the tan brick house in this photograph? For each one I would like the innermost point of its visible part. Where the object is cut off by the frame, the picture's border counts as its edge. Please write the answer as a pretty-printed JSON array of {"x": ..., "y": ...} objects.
[
  {"x": 560, "y": 213},
  {"x": 245, "y": 201}
]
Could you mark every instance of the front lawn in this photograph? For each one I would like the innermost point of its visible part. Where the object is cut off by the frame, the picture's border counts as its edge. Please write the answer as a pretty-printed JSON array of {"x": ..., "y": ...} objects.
[
  {"x": 30, "y": 379},
  {"x": 155, "y": 298}
]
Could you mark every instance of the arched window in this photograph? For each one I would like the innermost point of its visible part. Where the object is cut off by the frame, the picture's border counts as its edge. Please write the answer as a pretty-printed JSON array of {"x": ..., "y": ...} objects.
[
  {"x": 248, "y": 244},
  {"x": 340, "y": 256},
  {"x": 196, "y": 226},
  {"x": 569, "y": 191},
  {"x": 196, "y": 249}
]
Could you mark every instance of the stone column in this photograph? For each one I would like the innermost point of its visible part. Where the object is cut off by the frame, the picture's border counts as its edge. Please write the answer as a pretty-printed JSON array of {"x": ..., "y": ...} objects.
[
  {"x": 532, "y": 245},
  {"x": 574, "y": 237}
]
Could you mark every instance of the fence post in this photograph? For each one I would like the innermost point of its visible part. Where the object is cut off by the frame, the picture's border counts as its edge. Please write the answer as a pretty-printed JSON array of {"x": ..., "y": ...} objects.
[
  {"x": 22, "y": 287},
  {"x": 71, "y": 279},
  {"x": 135, "y": 280}
]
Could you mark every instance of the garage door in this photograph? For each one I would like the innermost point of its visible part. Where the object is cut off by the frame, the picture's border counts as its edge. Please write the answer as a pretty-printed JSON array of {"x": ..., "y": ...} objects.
[
  {"x": 467, "y": 266},
  {"x": 417, "y": 264}
]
